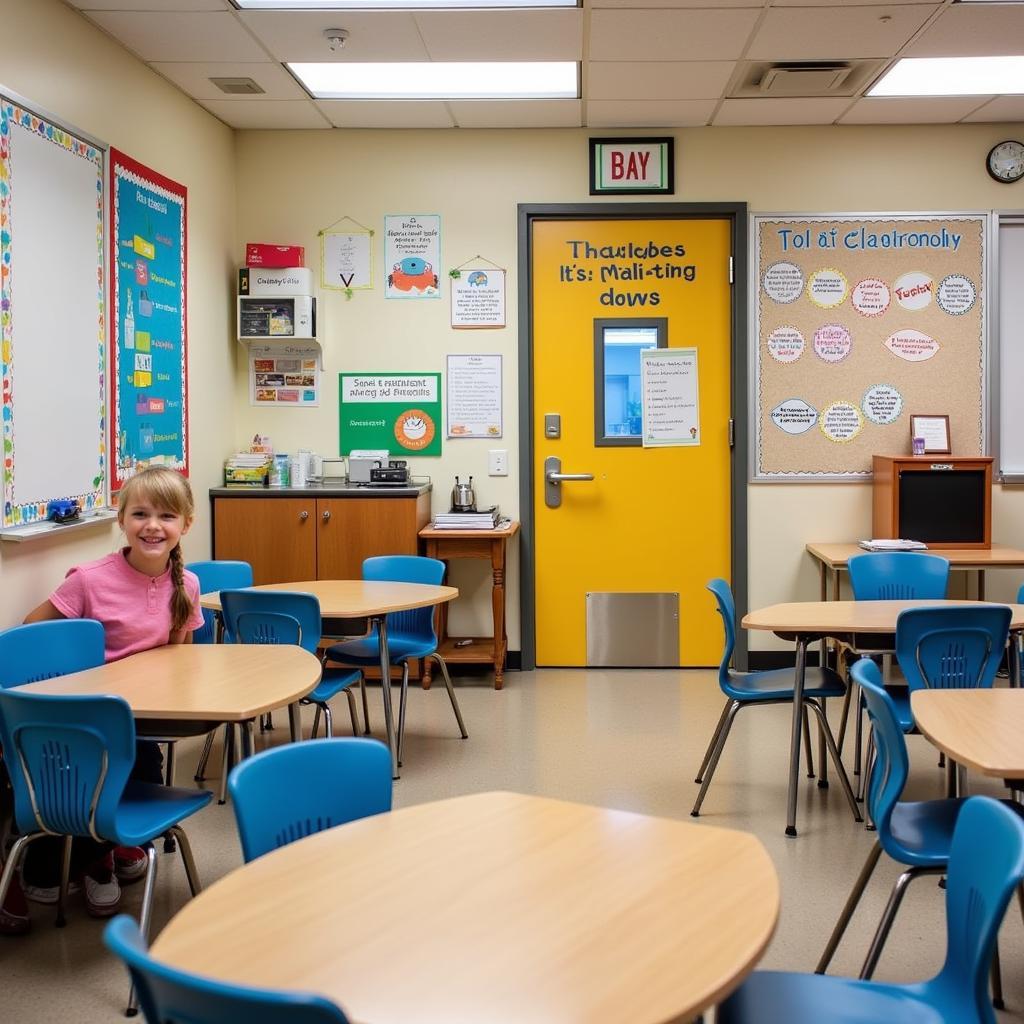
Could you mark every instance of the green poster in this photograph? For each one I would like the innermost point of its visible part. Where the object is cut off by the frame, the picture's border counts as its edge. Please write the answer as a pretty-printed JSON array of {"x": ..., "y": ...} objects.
[{"x": 397, "y": 411}]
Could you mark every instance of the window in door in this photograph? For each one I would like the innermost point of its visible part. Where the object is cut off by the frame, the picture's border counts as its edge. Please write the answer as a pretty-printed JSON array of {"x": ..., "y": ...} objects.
[{"x": 617, "y": 400}]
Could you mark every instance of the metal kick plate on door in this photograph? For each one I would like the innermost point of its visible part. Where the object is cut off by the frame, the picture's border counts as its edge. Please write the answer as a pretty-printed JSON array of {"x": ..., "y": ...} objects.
[{"x": 632, "y": 630}]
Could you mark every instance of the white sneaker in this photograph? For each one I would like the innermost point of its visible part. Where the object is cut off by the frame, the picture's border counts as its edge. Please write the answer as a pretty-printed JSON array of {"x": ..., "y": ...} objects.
[
  {"x": 47, "y": 893},
  {"x": 102, "y": 896}
]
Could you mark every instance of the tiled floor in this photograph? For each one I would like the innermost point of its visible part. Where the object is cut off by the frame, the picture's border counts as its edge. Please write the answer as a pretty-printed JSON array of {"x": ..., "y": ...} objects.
[{"x": 626, "y": 739}]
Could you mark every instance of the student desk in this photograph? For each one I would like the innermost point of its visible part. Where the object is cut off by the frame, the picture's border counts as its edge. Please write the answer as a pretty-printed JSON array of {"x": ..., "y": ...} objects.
[
  {"x": 496, "y": 907},
  {"x": 809, "y": 621},
  {"x": 362, "y": 599},
  {"x": 487, "y": 544},
  {"x": 198, "y": 682}
]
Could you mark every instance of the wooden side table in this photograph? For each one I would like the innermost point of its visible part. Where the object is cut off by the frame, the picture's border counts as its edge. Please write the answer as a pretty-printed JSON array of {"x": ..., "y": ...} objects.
[{"x": 491, "y": 544}]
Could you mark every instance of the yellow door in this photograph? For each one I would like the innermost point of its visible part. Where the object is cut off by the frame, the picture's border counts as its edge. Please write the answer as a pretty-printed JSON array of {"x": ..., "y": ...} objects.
[{"x": 653, "y": 520}]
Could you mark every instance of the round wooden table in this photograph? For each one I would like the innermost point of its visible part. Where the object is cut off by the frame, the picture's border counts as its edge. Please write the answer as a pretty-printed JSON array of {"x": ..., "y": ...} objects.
[
  {"x": 363, "y": 599},
  {"x": 497, "y": 907},
  {"x": 808, "y": 621}
]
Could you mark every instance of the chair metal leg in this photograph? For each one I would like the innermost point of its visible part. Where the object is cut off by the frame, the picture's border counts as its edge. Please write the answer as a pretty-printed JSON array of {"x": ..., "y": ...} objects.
[
  {"x": 996, "y": 976},
  {"x": 187, "y": 859},
  {"x": 858, "y": 736},
  {"x": 733, "y": 707},
  {"x": 807, "y": 747},
  {"x": 844, "y": 715},
  {"x": 13, "y": 859},
  {"x": 849, "y": 907},
  {"x": 712, "y": 742},
  {"x": 366, "y": 706},
  {"x": 822, "y": 760},
  {"x": 352, "y": 713},
  {"x": 328, "y": 721},
  {"x": 402, "y": 698},
  {"x": 171, "y": 747},
  {"x": 225, "y": 765},
  {"x": 862, "y": 785},
  {"x": 885, "y": 925},
  {"x": 144, "y": 918},
  {"x": 316, "y": 723},
  {"x": 451, "y": 694},
  {"x": 830, "y": 743},
  {"x": 65, "y": 875},
  {"x": 200, "y": 775}
]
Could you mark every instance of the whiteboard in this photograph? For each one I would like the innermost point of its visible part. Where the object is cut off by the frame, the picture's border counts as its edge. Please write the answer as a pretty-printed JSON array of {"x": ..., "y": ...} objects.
[
  {"x": 54, "y": 365},
  {"x": 1010, "y": 255}
]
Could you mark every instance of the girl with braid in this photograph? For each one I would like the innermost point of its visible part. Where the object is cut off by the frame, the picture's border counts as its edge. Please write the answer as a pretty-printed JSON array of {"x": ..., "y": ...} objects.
[{"x": 145, "y": 598}]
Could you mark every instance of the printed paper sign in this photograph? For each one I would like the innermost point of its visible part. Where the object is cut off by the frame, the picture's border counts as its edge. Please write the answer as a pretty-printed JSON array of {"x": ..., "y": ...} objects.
[
  {"x": 882, "y": 404},
  {"x": 827, "y": 288},
  {"x": 785, "y": 344},
  {"x": 914, "y": 290},
  {"x": 284, "y": 374},
  {"x": 399, "y": 412},
  {"x": 832, "y": 342},
  {"x": 669, "y": 390},
  {"x": 346, "y": 260},
  {"x": 957, "y": 294},
  {"x": 478, "y": 299},
  {"x": 841, "y": 422},
  {"x": 783, "y": 282},
  {"x": 911, "y": 345},
  {"x": 412, "y": 256},
  {"x": 794, "y": 416},
  {"x": 474, "y": 396},
  {"x": 870, "y": 297}
]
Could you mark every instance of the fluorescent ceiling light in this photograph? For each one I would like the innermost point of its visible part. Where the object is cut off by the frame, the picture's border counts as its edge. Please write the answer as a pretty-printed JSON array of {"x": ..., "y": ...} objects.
[
  {"x": 385, "y": 5},
  {"x": 468, "y": 80},
  {"x": 953, "y": 76}
]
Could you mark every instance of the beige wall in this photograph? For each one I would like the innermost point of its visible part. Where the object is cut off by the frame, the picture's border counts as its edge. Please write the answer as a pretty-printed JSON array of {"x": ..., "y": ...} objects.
[
  {"x": 291, "y": 185},
  {"x": 55, "y": 59}
]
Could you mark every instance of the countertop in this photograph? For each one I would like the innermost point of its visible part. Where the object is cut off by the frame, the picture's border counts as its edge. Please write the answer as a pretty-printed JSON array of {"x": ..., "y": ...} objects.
[{"x": 332, "y": 489}]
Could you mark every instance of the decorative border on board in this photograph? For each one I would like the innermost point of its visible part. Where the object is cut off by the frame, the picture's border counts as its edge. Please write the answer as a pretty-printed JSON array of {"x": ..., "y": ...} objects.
[
  {"x": 126, "y": 171},
  {"x": 17, "y": 513}
]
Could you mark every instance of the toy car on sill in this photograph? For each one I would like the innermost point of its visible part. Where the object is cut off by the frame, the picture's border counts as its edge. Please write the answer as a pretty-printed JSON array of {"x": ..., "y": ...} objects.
[{"x": 63, "y": 510}]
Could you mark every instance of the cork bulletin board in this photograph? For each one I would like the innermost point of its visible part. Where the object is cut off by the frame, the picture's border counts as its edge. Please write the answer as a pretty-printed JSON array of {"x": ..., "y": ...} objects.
[{"x": 860, "y": 321}]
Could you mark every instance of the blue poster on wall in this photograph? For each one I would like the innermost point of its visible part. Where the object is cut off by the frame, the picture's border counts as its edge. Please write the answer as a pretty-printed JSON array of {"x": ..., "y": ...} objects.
[{"x": 148, "y": 307}]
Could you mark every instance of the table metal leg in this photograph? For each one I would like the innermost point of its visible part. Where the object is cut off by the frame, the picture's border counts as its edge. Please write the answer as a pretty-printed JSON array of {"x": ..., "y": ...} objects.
[
  {"x": 794, "y": 744},
  {"x": 246, "y": 729},
  {"x": 1013, "y": 657},
  {"x": 981, "y": 584},
  {"x": 294, "y": 722},
  {"x": 385, "y": 689}
]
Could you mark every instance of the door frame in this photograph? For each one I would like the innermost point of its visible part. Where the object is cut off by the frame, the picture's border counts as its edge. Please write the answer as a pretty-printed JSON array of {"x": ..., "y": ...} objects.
[{"x": 736, "y": 215}]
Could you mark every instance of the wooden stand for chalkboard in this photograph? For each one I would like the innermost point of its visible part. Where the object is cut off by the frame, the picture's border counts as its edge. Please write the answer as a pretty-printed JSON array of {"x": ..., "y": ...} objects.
[{"x": 944, "y": 501}]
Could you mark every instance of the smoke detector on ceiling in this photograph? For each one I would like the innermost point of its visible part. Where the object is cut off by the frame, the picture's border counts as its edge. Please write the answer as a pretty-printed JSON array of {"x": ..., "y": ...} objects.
[
  {"x": 804, "y": 79},
  {"x": 336, "y": 38},
  {"x": 238, "y": 86}
]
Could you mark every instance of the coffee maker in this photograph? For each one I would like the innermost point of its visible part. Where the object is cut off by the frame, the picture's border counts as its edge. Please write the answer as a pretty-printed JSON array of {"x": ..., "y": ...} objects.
[{"x": 463, "y": 497}]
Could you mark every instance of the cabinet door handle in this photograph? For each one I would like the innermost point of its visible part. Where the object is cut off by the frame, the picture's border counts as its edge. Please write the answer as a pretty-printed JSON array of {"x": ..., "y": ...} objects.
[
  {"x": 327, "y": 515},
  {"x": 303, "y": 515}
]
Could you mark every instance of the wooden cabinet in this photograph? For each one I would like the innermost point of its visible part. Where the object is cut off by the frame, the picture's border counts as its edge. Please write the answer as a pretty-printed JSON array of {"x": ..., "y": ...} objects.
[{"x": 287, "y": 539}]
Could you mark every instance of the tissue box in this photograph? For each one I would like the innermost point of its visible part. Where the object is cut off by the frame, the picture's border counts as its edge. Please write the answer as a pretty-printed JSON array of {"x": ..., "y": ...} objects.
[{"x": 260, "y": 254}]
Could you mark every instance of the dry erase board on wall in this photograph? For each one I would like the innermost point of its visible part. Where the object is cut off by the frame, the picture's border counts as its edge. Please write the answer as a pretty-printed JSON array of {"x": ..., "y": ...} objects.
[
  {"x": 860, "y": 321},
  {"x": 52, "y": 283},
  {"x": 1010, "y": 303}
]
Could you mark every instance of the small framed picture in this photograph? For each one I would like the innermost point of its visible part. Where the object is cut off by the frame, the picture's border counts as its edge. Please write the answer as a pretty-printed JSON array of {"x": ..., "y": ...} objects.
[{"x": 929, "y": 434}]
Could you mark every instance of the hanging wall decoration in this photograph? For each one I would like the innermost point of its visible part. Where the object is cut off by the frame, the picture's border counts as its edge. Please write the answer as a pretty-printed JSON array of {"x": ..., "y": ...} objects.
[
  {"x": 346, "y": 257},
  {"x": 478, "y": 295},
  {"x": 412, "y": 256}
]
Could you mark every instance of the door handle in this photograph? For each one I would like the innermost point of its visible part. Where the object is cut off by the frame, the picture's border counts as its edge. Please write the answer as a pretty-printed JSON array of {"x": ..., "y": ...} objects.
[{"x": 553, "y": 479}]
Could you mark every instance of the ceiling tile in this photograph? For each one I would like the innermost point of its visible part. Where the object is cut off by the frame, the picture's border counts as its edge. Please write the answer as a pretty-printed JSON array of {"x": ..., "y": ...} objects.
[
  {"x": 502, "y": 35},
  {"x": 670, "y": 80},
  {"x": 648, "y": 113},
  {"x": 670, "y": 34},
  {"x": 1002, "y": 108},
  {"x": 780, "y": 111},
  {"x": 836, "y": 33},
  {"x": 973, "y": 30},
  {"x": 194, "y": 79},
  {"x": 517, "y": 113},
  {"x": 386, "y": 113},
  {"x": 846, "y": 3},
  {"x": 915, "y": 110},
  {"x": 277, "y": 114},
  {"x": 694, "y": 4},
  {"x": 170, "y": 36},
  {"x": 374, "y": 35},
  {"x": 151, "y": 5}
]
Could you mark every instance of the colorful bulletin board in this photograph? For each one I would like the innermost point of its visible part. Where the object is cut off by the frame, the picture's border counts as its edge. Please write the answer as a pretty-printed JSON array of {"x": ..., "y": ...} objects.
[
  {"x": 148, "y": 303},
  {"x": 52, "y": 317},
  {"x": 400, "y": 412},
  {"x": 862, "y": 320}
]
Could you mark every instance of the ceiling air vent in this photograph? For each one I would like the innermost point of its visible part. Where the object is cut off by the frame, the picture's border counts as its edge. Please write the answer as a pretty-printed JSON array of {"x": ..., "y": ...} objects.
[
  {"x": 804, "y": 79},
  {"x": 238, "y": 86}
]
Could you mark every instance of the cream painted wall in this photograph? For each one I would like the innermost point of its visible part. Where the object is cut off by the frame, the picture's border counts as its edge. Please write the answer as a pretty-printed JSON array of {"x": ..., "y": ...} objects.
[
  {"x": 292, "y": 184},
  {"x": 55, "y": 59}
]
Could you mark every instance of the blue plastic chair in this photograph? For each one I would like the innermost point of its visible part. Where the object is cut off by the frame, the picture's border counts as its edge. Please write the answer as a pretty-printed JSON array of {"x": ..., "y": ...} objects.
[
  {"x": 290, "y": 792},
  {"x": 918, "y": 834},
  {"x": 411, "y": 634},
  {"x": 170, "y": 996},
  {"x": 288, "y": 617},
  {"x": 42, "y": 650},
  {"x": 69, "y": 760},
  {"x": 986, "y": 863},
  {"x": 758, "y": 689}
]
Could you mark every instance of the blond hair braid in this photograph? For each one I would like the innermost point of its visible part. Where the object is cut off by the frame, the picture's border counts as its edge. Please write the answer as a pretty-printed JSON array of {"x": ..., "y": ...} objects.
[{"x": 181, "y": 603}]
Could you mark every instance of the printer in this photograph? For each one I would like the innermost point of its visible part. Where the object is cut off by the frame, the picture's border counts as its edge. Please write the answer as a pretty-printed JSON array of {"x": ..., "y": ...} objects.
[{"x": 362, "y": 460}]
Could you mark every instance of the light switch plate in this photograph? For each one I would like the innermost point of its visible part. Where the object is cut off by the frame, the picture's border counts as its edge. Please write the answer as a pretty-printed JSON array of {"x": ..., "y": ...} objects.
[{"x": 497, "y": 462}]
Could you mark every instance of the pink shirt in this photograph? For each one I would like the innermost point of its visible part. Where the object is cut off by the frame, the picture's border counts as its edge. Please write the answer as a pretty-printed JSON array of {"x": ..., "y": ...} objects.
[{"x": 135, "y": 609}]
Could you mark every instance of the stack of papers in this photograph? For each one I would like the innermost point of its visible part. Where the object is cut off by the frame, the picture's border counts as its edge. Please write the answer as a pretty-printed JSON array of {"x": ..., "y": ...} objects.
[
  {"x": 893, "y": 545},
  {"x": 468, "y": 520}
]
